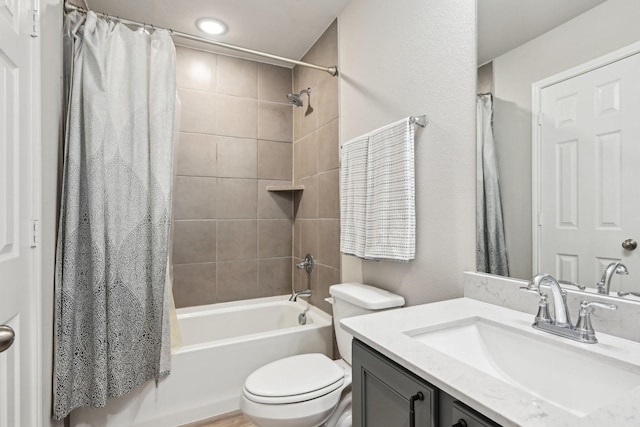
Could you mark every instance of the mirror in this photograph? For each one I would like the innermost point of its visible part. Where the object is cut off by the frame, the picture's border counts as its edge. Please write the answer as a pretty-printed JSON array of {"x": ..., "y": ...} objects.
[{"x": 519, "y": 44}]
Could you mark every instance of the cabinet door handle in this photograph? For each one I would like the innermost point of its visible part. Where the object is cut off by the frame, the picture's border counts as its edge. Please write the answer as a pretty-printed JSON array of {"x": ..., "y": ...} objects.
[
  {"x": 460, "y": 423},
  {"x": 412, "y": 408}
]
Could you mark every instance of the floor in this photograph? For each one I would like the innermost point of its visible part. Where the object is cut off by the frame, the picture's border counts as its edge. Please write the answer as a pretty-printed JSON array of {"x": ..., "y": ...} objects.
[{"x": 239, "y": 420}]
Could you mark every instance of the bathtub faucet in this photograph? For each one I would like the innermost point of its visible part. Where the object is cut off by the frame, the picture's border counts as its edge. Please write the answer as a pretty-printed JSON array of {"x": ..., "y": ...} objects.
[
  {"x": 307, "y": 264},
  {"x": 295, "y": 295}
]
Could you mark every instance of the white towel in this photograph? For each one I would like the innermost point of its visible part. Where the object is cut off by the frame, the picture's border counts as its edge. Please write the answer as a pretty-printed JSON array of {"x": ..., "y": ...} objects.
[
  {"x": 377, "y": 194},
  {"x": 353, "y": 196},
  {"x": 390, "y": 207}
]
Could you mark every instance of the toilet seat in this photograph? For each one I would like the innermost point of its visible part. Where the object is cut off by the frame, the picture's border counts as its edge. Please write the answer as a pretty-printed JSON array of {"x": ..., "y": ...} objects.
[{"x": 294, "y": 379}]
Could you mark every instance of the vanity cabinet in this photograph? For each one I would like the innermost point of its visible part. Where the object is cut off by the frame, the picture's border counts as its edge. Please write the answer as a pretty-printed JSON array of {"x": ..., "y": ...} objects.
[{"x": 386, "y": 394}]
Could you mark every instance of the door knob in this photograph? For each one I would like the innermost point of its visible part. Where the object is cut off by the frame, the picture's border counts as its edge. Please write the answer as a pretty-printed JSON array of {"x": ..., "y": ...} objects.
[
  {"x": 629, "y": 244},
  {"x": 7, "y": 335},
  {"x": 460, "y": 423}
]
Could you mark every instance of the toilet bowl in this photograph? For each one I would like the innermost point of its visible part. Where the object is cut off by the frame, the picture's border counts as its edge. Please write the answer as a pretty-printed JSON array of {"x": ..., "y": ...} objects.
[{"x": 310, "y": 390}]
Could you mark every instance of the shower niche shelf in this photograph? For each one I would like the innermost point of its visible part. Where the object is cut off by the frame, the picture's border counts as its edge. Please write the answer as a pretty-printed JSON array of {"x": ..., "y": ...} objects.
[{"x": 285, "y": 188}]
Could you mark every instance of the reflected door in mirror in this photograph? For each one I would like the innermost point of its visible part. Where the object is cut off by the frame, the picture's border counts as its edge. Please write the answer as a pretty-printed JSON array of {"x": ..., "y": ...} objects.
[{"x": 589, "y": 155}]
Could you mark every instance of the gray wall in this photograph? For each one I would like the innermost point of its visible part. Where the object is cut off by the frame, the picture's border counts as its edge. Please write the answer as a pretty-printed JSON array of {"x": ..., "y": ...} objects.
[
  {"x": 315, "y": 165},
  {"x": 418, "y": 58},
  {"x": 232, "y": 239},
  {"x": 607, "y": 27}
]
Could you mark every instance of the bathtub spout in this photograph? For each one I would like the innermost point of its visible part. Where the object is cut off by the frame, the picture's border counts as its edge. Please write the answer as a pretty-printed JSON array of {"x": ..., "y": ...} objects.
[{"x": 294, "y": 295}]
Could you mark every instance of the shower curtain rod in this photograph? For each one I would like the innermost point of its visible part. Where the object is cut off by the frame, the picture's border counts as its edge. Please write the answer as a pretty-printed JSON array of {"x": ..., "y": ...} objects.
[{"x": 331, "y": 70}]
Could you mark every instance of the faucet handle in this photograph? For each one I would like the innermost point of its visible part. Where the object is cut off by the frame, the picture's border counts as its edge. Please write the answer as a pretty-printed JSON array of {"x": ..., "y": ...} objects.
[
  {"x": 588, "y": 305},
  {"x": 584, "y": 326},
  {"x": 567, "y": 283},
  {"x": 531, "y": 289},
  {"x": 543, "y": 315},
  {"x": 624, "y": 294}
]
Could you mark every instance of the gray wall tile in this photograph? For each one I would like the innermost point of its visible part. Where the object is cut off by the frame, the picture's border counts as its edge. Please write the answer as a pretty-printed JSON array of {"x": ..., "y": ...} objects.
[
  {"x": 328, "y": 194},
  {"x": 194, "y": 284},
  {"x": 274, "y": 205},
  {"x": 329, "y": 242},
  {"x": 327, "y": 101},
  {"x": 274, "y": 160},
  {"x": 297, "y": 239},
  {"x": 237, "y": 240},
  {"x": 237, "y": 280},
  {"x": 327, "y": 276},
  {"x": 237, "y": 117},
  {"x": 274, "y": 238},
  {"x": 308, "y": 237},
  {"x": 305, "y": 156},
  {"x": 237, "y": 198},
  {"x": 195, "y": 69},
  {"x": 274, "y": 276},
  {"x": 328, "y": 147},
  {"x": 197, "y": 112},
  {"x": 316, "y": 163},
  {"x": 194, "y": 198},
  {"x": 275, "y": 122},
  {"x": 194, "y": 242},
  {"x": 274, "y": 83},
  {"x": 306, "y": 117},
  {"x": 308, "y": 205},
  {"x": 237, "y": 157},
  {"x": 196, "y": 155},
  {"x": 237, "y": 77}
]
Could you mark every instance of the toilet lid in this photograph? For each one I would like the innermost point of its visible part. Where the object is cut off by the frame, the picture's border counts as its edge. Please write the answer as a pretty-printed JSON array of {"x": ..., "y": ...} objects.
[{"x": 294, "y": 379}]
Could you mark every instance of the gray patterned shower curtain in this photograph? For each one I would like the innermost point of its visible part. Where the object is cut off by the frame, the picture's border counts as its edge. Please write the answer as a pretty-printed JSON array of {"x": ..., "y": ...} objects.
[
  {"x": 491, "y": 248},
  {"x": 111, "y": 305}
]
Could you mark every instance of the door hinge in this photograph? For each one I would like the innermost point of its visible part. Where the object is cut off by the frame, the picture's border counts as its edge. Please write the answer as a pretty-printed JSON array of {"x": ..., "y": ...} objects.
[
  {"x": 35, "y": 19},
  {"x": 540, "y": 118},
  {"x": 539, "y": 219},
  {"x": 35, "y": 233}
]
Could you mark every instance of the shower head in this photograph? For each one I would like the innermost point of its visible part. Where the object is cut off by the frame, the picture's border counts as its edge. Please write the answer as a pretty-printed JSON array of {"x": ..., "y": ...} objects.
[{"x": 295, "y": 98}]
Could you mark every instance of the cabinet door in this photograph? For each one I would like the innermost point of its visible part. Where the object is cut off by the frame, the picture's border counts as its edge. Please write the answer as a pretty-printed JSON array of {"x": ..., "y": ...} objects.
[
  {"x": 384, "y": 392},
  {"x": 465, "y": 416}
]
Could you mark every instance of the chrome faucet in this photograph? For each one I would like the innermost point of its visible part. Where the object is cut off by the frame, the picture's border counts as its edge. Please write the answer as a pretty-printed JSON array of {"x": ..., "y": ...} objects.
[
  {"x": 561, "y": 325},
  {"x": 294, "y": 295},
  {"x": 605, "y": 281},
  {"x": 307, "y": 264},
  {"x": 560, "y": 309}
]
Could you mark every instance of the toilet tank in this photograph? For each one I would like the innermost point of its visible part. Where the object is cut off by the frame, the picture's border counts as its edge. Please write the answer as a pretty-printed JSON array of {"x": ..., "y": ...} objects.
[{"x": 355, "y": 299}]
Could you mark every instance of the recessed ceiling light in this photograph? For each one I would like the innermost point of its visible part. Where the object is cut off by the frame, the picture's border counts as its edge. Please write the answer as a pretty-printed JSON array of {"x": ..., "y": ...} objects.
[{"x": 211, "y": 26}]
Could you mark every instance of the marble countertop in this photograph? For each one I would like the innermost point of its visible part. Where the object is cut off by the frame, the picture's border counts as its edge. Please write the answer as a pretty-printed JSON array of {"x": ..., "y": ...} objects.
[{"x": 506, "y": 404}]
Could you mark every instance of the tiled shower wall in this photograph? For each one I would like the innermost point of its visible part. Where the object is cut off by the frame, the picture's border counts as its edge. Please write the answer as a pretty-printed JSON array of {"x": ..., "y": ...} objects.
[
  {"x": 232, "y": 239},
  {"x": 315, "y": 165}
]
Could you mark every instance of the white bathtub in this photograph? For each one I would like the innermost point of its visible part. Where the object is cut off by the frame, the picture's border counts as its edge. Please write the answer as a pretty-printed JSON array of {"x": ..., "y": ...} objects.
[{"x": 221, "y": 345}]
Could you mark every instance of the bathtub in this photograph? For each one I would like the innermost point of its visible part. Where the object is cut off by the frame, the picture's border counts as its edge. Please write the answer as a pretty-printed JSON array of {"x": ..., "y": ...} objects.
[{"x": 221, "y": 345}]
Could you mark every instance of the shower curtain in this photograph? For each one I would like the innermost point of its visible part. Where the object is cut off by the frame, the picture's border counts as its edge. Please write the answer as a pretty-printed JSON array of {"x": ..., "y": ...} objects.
[
  {"x": 111, "y": 305},
  {"x": 491, "y": 249}
]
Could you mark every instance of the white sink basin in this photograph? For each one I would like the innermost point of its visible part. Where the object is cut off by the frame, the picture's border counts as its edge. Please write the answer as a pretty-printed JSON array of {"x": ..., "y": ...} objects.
[{"x": 568, "y": 376}]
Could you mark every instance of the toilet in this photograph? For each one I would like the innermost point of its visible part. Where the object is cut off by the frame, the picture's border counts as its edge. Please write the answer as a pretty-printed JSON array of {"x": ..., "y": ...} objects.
[{"x": 310, "y": 390}]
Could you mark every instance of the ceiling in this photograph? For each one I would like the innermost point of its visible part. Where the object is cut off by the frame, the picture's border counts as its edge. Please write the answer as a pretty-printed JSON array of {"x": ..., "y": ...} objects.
[
  {"x": 506, "y": 24},
  {"x": 281, "y": 27},
  {"x": 290, "y": 27}
]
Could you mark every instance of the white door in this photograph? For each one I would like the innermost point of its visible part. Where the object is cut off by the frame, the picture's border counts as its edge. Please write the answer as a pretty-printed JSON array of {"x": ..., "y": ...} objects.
[
  {"x": 16, "y": 192},
  {"x": 589, "y": 168}
]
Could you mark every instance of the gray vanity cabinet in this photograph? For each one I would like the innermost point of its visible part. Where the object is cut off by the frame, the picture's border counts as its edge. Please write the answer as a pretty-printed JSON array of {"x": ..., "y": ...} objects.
[
  {"x": 387, "y": 395},
  {"x": 466, "y": 417}
]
